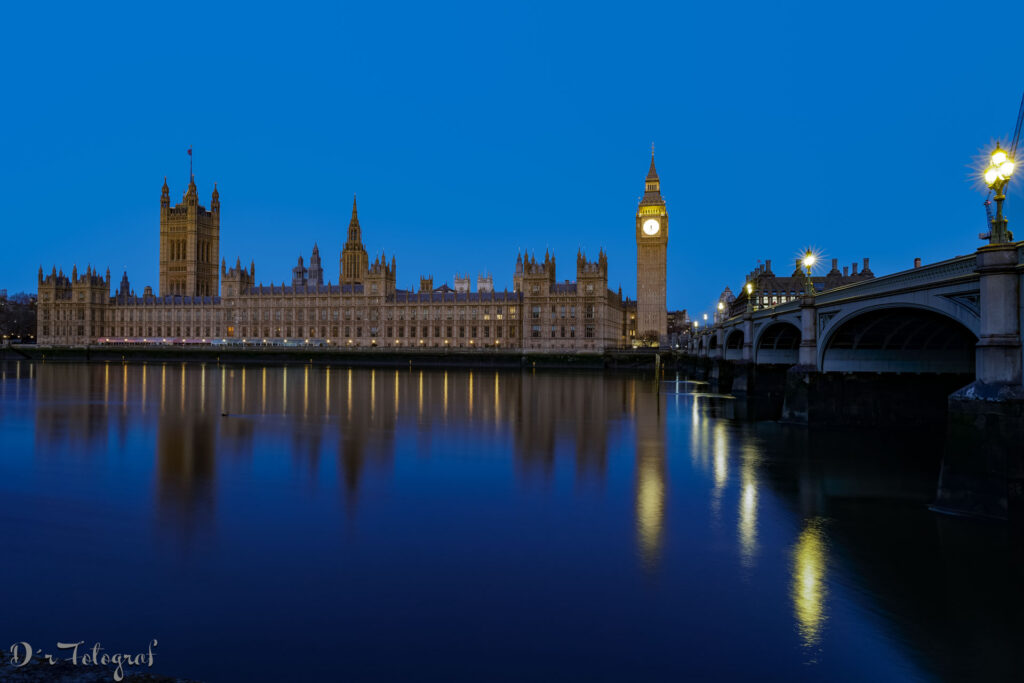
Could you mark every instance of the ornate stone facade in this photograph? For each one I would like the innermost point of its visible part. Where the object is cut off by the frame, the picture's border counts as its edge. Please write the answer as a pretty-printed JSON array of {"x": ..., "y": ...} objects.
[
  {"x": 189, "y": 243},
  {"x": 198, "y": 303}
]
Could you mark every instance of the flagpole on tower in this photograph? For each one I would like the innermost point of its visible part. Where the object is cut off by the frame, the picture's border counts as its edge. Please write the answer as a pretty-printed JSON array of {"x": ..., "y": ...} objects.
[{"x": 190, "y": 163}]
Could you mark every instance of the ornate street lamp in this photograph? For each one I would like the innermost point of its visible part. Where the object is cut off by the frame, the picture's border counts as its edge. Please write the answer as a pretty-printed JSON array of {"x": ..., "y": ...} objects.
[
  {"x": 997, "y": 175},
  {"x": 808, "y": 262},
  {"x": 750, "y": 297}
]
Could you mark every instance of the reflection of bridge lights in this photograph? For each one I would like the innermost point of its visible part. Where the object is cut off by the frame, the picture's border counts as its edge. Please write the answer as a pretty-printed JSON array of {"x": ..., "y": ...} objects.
[
  {"x": 748, "y": 510},
  {"x": 808, "y": 589},
  {"x": 721, "y": 462}
]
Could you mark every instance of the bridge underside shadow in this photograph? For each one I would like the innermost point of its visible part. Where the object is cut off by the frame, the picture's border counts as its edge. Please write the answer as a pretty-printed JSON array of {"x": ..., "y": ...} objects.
[
  {"x": 894, "y": 367},
  {"x": 901, "y": 340}
]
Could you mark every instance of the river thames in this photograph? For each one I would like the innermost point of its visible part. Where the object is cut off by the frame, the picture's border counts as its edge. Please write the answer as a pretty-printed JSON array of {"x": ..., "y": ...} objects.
[{"x": 290, "y": 523}]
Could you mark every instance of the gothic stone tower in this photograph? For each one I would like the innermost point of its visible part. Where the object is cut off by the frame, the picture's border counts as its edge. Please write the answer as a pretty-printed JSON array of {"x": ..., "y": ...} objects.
[
  {"x": 189, "y": 244},
  {"x": 651, "y": 250},
  {"x": 355, "y": 263}
]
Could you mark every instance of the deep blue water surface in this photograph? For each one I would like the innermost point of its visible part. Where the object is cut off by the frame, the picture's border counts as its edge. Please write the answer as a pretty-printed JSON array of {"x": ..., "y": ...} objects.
[{"x": 383, "y": 525}]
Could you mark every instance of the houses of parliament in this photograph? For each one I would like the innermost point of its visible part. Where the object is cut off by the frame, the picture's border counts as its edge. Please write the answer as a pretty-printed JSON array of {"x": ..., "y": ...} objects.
[{"x": 202, "y": 299}]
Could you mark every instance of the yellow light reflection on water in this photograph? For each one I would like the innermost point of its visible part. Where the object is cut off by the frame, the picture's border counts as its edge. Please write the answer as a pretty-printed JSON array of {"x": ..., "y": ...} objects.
[
  {"x": 721, "y": 437},
  {"x": 650, "y": 506},
  {"x": 327, "y": 390},
  {"x": 720, "y": 464},
  {"x": 496, "y": 400},
  {"x": 748, "y": 514},
  {"x": 808, "y": 588}
]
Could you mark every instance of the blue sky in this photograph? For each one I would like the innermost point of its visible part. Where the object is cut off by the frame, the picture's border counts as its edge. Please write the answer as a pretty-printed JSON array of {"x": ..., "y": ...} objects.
[{"x": 472, "y": 131}]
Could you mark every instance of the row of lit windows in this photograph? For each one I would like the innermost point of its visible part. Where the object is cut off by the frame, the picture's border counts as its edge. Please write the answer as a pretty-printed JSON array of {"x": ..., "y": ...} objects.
[
  {"x": 425, "y": 331},
  {"x": 560, "y": 312},
  {"x": 562, "y": 331}
]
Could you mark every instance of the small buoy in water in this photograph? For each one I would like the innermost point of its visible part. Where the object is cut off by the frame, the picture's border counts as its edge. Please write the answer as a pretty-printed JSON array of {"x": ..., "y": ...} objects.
[{"x": 223, "y": 414}]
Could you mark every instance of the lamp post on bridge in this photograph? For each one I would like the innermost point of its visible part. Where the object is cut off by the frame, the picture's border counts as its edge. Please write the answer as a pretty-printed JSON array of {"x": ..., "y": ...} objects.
[
  {"x": 808, "y": 262},
  {"x": 997, "y": 175},
  {"x": 983, "y": 466}
]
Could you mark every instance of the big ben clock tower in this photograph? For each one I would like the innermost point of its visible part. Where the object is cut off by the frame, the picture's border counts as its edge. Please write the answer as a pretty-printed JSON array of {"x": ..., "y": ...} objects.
[{"x": 651, "y": 250}]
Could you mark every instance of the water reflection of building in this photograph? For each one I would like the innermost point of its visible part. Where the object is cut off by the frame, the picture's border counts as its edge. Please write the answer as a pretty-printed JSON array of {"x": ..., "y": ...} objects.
[
  {"x": 197, "y": 414},
  {"x": 186, "y": 468},
  {"x": 577, "y": 414},
  {"x": 650, "y": 470}
]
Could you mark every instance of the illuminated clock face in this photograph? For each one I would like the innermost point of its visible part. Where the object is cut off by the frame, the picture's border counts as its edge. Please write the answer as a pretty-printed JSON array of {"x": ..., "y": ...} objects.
[{"x": 651, "y": 226}]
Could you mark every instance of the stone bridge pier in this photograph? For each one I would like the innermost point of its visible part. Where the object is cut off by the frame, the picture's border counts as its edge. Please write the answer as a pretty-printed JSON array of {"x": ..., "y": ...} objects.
[{"x": 983, "y": 467}]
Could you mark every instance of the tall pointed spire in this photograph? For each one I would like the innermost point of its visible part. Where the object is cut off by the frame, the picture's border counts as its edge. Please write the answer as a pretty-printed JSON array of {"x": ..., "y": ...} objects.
[
  {"x": 652, "y": 174},
  {"x": 354, "y": 262},
  {"x": 652, "y": 185},
  {"x": 354, "y": 233}
]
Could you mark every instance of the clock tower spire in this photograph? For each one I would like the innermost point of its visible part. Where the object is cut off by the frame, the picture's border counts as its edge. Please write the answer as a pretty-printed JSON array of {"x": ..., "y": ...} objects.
[{"x": 651, "y": 261}]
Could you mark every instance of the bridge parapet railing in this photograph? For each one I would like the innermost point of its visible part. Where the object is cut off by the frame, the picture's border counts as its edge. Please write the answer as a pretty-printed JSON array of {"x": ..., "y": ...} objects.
[{"x": 950, "y": 269}]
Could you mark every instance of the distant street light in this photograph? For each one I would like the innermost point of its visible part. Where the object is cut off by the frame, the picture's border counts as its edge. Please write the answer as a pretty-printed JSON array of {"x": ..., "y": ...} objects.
[{"x": 997, "y": 175}]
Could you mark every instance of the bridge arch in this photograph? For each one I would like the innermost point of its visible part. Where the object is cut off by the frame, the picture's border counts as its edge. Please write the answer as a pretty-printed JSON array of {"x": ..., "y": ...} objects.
[
  {"x": 898, "y": 338},
  {"x": 778, "y": 344},
  {"x": 734, "y": 345}
]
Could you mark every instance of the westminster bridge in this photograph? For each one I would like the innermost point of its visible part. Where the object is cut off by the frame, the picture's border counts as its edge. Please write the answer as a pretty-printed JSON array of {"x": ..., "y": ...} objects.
[{"x": 937, "y": 341}]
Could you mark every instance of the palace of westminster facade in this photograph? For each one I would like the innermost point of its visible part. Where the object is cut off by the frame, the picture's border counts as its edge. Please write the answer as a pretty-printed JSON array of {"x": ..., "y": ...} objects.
[{"x": 199, "y": 301}]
